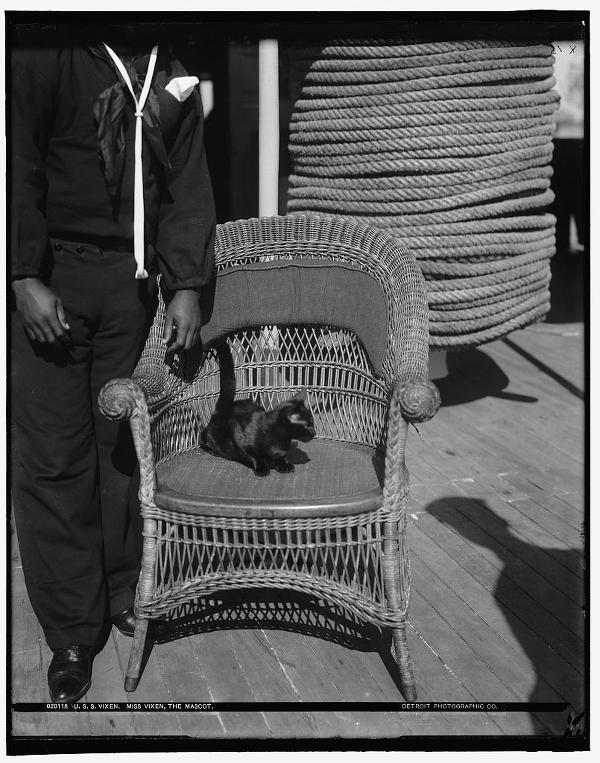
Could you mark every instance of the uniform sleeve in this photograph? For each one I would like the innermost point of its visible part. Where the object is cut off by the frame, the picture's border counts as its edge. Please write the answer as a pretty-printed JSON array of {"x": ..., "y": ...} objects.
[
  {"x": 31, "y": 100},
  {"x": 187, "y": 218}
]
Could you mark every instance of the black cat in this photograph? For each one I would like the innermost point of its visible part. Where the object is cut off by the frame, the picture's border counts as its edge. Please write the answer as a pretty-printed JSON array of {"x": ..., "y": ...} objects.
[{"x": 241, "y": 430}]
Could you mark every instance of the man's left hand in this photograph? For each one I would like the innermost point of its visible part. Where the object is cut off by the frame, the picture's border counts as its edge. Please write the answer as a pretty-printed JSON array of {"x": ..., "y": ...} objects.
[{"x": 183, "y": 321}]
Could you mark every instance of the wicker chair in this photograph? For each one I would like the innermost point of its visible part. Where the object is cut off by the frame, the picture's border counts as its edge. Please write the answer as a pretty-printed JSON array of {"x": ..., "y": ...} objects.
[{"x": 336, "y": 527}]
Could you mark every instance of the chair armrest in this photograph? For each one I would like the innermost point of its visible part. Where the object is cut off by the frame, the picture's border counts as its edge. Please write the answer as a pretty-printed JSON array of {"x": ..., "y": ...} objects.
[
  {"x": 124, "y": 399},
  {"x": 413, "y": 400},
  {"x": 418, "y": 400}
]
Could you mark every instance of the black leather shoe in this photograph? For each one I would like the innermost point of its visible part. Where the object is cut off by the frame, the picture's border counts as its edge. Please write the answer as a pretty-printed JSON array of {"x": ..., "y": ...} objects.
[
  {"x": 125, "y": 622},
  {"x": 70, "y": 673}
]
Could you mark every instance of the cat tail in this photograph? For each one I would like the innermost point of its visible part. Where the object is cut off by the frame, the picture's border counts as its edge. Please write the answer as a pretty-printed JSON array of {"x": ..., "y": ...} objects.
[{"x": 226, "y": 376}]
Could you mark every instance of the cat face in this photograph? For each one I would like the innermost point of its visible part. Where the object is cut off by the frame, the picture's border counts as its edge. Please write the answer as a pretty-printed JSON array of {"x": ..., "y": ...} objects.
[{"x": 298, "y": 417}]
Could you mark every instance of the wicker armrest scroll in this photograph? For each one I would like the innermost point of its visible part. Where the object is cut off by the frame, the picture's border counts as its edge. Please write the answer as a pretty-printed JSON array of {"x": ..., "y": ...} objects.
[
  {"x": 414, "y": 400},
  {"x": 418, "y": 400},
  {"x": 124, "y": 399},
  {"x": 153, "y": 379}
]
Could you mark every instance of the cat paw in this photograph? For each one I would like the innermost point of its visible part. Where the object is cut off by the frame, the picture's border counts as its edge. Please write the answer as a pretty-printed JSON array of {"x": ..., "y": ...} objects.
[
  {"x": 262, "y": 471},
  {"x": 285, "y": 467}
]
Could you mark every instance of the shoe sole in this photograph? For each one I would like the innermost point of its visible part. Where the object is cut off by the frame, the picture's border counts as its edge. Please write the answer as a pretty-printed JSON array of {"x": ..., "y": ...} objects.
[
  {"x": 156, "y": 630},
  {"x": 129, "y": 634}
]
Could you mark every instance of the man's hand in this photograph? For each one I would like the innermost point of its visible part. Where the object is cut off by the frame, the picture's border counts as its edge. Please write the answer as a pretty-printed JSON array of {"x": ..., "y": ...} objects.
[
  {"x": 183, "y": 321},
  {"x": 41, "y": 312}
]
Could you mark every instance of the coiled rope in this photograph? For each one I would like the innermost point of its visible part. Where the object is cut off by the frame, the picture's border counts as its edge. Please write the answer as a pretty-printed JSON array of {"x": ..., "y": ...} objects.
[{"x": 447, "y": 147}]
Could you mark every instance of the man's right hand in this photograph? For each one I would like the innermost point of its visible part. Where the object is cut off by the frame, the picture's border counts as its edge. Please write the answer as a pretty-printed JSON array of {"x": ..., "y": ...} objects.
[{"x": 41, "y": 312}]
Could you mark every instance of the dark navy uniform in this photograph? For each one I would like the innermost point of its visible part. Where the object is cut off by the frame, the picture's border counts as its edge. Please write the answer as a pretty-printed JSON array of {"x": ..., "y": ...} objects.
[{"x": 72, "y": 227}]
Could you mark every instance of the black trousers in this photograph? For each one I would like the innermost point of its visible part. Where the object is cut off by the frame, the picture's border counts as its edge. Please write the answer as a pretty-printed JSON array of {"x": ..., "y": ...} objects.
[{"x": 71, "y": 467}]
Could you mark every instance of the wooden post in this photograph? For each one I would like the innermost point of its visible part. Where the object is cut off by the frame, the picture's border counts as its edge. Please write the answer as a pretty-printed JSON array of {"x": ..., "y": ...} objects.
[
  {"x": 268, "y": 158},
  {"x": 268, "y": 128},
  {"x": 207, "y": 93}
]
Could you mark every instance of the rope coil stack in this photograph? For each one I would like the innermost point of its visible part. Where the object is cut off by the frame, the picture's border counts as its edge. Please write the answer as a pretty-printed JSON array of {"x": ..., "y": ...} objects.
[{"x": 447, "y": 147}]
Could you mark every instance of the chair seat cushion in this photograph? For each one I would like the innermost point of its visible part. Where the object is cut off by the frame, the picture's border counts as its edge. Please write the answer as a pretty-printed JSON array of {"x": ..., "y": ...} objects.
[{"x": 330, "y": 478}]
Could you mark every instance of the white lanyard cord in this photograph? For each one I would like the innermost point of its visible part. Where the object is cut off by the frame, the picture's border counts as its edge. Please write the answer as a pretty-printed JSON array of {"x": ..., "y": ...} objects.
[{"x": 138, "y": 189}]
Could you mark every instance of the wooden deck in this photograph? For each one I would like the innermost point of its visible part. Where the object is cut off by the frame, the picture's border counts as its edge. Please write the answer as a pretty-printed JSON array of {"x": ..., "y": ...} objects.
[{"x": 496, "y": 536}]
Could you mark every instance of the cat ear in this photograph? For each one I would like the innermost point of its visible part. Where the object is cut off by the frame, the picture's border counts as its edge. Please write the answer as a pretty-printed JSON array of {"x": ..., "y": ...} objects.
[
  {"x": 301, "y": 396},
  {"x": 292, "y": 402}
]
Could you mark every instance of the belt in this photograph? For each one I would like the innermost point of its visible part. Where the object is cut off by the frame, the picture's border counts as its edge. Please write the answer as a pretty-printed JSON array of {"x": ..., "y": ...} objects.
[
  {"x": 100, "y": 247},
  {"x": 104, "y": 244}
]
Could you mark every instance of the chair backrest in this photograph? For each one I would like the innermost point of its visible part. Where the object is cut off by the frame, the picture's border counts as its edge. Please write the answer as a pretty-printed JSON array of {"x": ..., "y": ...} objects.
[
  {"x": 320, "y": 303},
  {"x": 300, "y": 292}
]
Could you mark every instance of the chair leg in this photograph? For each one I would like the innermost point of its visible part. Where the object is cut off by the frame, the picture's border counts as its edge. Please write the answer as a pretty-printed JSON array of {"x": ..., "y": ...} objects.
[
  {"x": 143, "y": 596},
  {"x": 403, "y": 659},
  {"x": 396, "y": 579},
  {"x": 135, "y": 656}
]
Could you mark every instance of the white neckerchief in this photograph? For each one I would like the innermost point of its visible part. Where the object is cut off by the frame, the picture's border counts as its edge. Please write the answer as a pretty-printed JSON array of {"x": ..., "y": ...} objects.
[{"x": 138, "y": 189}]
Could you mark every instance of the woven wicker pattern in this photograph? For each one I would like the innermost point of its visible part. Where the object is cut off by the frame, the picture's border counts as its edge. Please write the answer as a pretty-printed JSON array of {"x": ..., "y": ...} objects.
[
  {"x": 447, "y": 147},
  {"x": 331, "y": 557},
  {"x": 336, "y": 527}
]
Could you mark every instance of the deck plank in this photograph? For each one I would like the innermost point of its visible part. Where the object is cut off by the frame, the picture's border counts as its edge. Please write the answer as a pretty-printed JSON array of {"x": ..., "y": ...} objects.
[
  {"x": 185, "y": 681},
  {"x": 513, "y": 682},
  {"x": 151, "y": 688},
  {"x": 509, "y": 642},
  {"x": 571, "y": 515},
  {"x": 533, "y": 443},
  {"x": 535, "y": 546},
  {"x": 422, "y": 659},
  {"x": 25, "y": 629},
  {"x": 566, "y": 535},
  {"x": 478, "y": 428},
  {"x": 227, "y": 683},
  {"x": 107, "y": 687},
  {"x": 27, "y": 676},
  {"x": 355, "y": 683},
  {"x": 30, "y": 663},
  {"x": 527, "y": 593},
  {"x": 565, "y": 363},
  {"x": 309, "y": 678},
  {"x": 458, "y": 656},
  {"x": 265, "y": 674}
]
